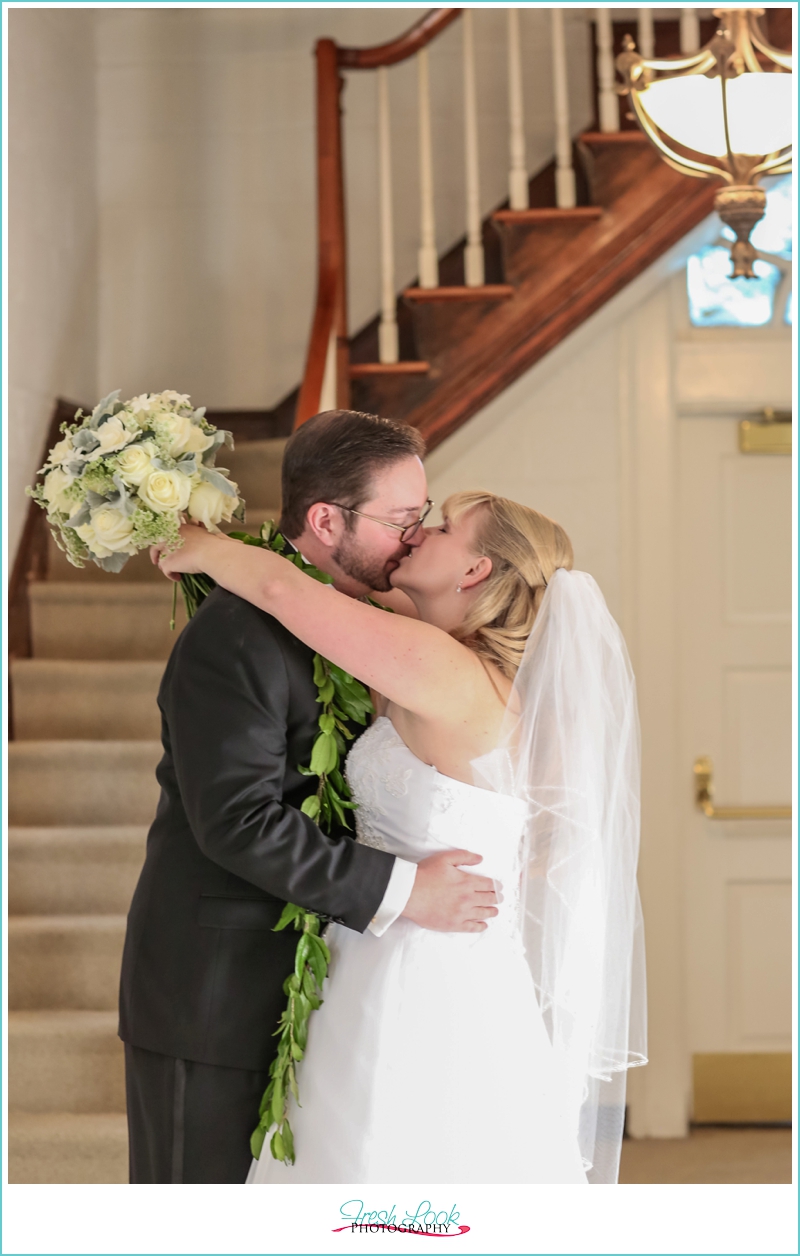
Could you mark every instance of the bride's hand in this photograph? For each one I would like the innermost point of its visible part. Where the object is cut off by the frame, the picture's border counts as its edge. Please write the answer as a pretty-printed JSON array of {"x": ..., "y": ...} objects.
[{"x": 193, "y": 554}]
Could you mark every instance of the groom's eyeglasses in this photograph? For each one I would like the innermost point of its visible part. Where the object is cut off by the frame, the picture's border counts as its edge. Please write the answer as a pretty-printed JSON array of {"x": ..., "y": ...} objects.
[{"x": 407, "y": 530}]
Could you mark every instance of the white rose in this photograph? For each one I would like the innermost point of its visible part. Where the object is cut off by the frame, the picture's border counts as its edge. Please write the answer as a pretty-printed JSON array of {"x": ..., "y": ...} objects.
[
  {"x": 177, "y": 431},
  {"x": 55, "y": 483},
  {"x": 209, "y": 505},
  {"x": 134, "y": 462},
  {"x": 198, "y": 441},
  {"x": 62, "y": 452},
  {"x": 112, "y": 435},
  {"x": 108, "y": 532},
  {"x": 165, "y": 490}
]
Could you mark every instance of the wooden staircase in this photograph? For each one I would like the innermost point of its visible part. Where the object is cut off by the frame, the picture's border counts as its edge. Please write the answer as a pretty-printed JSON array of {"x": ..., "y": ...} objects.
[
  {"x": 559, "y": 266},
  {"x": 547, "y": 269}
]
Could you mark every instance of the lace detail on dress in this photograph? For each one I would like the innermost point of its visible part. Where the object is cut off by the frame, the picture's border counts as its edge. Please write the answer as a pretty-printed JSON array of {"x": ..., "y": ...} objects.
[
  {"x": 443, "y": 798},
  {"x": 372, "y": 769}
]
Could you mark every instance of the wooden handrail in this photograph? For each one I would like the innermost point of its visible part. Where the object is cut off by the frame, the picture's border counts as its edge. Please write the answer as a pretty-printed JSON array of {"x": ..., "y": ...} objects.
[
  {"x": 416, "y": 37},
  {"x": 330, "y": 311}
]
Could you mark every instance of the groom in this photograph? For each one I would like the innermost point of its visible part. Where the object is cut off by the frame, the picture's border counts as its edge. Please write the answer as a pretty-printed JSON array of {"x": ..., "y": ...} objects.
[{"x": 203, "y": 970}]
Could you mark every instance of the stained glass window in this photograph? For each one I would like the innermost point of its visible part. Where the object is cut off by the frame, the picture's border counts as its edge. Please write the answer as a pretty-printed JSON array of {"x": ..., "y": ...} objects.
[{"x": 716, "y": 300}]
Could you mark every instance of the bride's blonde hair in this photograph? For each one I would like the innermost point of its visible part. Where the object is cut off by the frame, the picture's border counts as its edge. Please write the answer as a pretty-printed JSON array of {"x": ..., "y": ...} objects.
[{"x": 526, "y": 548}]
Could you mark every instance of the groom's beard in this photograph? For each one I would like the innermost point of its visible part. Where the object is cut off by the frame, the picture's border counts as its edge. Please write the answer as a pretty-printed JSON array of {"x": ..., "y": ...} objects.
[{"x": 364, "y": 567}]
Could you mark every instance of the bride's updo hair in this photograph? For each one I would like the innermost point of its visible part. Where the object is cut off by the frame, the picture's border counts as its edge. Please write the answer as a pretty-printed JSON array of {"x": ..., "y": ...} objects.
[{"x": 526, "y": 548}]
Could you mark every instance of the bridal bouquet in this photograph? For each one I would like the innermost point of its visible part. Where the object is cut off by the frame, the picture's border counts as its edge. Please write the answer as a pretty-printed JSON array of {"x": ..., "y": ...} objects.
[{"x": 122, "y": 477}]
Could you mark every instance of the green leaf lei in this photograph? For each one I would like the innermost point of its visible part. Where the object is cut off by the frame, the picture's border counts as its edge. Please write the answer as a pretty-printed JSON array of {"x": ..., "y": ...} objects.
[{"x": 343, "y": 699}]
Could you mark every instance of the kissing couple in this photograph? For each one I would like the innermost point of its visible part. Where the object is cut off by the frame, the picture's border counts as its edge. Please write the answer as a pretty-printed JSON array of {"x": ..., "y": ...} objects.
[{"x": 485, "y": 996}]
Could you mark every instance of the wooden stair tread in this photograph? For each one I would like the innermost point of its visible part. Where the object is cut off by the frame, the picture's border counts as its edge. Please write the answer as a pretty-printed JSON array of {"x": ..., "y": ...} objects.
[
  {"x": 360, "y": 369},
  {"x": 486, "y": 292},
  {"x": 523, "y": 217}
]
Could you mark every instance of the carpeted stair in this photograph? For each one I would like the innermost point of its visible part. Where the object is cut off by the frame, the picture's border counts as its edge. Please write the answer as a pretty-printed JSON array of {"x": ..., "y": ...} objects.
[{"x": 82, "y": 792}]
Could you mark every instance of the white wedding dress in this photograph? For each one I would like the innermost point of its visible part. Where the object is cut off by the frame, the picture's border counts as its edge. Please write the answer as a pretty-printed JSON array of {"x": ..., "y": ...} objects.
[{"x": 429, "y": 1060}]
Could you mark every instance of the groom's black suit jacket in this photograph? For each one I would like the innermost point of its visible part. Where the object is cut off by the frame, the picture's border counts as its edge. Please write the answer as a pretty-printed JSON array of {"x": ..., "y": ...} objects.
[{"x": 202, "y": 970}]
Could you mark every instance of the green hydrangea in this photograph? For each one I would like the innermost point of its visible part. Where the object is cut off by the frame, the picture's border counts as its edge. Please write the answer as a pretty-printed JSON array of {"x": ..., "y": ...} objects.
[
  {"x": 152, "y": 529},
  {"x": 81, "y": 420},
  {"x": 36, "y": 491},
  {"x": 67, "y": 539},
  {"x": 98, "y": 478},
  {"x": 77, "y": 490},
  {"x": 163, "y": 440}
]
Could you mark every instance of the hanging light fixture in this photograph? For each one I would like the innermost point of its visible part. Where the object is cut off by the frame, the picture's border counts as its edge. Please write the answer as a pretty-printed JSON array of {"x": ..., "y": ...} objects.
[{"x": 720, "y": 114}]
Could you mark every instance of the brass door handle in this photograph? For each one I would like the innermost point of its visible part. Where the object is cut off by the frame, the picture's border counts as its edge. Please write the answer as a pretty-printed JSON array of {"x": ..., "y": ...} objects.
[{"x": 704, "y": 795}]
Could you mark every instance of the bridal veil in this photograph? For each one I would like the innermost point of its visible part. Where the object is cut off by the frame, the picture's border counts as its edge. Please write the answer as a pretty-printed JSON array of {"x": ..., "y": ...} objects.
[{"x": 570, "y": 749}]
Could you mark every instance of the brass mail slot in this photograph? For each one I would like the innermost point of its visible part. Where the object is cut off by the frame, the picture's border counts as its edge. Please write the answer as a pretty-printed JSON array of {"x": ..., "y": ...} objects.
[{"x": 769, "y": 434}]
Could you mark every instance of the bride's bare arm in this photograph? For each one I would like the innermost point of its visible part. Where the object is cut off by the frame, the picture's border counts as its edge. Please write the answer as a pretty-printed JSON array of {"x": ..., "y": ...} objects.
[{"x": 412, "y": 663}]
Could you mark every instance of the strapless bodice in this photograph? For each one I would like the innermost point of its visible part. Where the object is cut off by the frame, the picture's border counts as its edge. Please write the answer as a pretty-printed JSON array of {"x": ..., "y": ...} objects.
[{"x": 410, "y": 809}]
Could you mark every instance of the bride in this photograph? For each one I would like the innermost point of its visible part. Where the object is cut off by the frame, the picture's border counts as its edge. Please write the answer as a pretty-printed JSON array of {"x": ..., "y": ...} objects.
[{"x": 507, "y": 724}]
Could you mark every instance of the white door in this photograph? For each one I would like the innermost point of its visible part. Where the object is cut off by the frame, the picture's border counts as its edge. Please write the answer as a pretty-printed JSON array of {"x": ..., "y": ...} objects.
[{"x": 734, "y": 613}]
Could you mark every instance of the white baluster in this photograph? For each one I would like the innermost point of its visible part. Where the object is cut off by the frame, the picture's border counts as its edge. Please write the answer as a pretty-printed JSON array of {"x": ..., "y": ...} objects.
[
  {"x": 473, "y": 253},
  {"x": 608, "y": 102},
  {"x": 647, "y": 34},
  {"x": 388, "y": 349},
  {"x": 328, "y": 399},
  {"x": 565, "y": 175},
  {"x": 518, "y": 170},
  {"x": 427, "y": 259},
  {"x": 690, "y": 30}
]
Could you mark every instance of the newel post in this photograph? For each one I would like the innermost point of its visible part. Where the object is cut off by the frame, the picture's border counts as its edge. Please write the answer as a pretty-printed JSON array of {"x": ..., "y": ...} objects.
[
  {"x": 326, "y": 380},
  {"x": 332, "y": 232}
]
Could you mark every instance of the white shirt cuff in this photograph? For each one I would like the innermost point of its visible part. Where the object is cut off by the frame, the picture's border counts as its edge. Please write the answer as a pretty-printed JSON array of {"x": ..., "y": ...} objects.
[{"x": 398, "y": 892}]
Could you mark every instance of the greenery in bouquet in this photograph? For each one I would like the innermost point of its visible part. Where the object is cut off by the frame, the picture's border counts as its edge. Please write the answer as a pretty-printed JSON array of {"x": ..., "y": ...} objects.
[{"x": 121, "y": 478}]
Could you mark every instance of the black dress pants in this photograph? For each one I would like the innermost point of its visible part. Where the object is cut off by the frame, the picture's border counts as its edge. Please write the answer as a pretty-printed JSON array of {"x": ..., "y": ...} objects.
[{"x": 189, "y": 1122}]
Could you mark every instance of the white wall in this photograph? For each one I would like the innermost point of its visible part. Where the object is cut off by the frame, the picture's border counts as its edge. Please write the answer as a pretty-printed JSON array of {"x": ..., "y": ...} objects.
[
  {"x": 551, "y": 441},
  {"x": 52, "y": 231},
  {"x": 206, "y": 166}
]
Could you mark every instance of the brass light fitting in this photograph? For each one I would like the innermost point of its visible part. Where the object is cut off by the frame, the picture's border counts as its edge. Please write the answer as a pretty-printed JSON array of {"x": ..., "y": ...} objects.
[{"x": 720, "y": 113}]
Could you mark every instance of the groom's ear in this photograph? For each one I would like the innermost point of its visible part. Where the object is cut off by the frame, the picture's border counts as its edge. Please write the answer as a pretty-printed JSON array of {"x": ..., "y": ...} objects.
[{"x": 325, "y": 522}]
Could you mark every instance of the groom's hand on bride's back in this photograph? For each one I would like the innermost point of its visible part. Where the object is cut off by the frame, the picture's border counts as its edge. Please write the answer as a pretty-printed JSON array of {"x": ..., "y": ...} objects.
[{"x": 446, "y": 898}]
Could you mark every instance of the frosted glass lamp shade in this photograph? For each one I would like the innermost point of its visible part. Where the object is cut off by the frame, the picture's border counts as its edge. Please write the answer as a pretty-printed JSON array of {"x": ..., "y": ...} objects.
[
  {"x": 689, "y": 109},
  {"x": 733, "y": 116}
]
